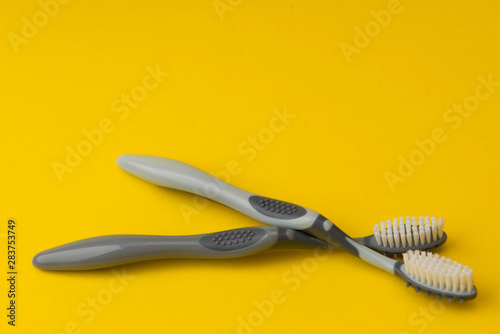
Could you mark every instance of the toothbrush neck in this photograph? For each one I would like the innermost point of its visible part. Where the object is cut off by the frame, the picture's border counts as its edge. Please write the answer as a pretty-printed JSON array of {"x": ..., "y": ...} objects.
[{"x": 326, "y": 230}]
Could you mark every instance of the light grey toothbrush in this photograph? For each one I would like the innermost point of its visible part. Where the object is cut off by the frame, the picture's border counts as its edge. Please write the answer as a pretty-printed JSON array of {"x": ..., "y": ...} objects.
[
  {"x": 112, "y": 250},
  {"x": 424, "y": 271}
]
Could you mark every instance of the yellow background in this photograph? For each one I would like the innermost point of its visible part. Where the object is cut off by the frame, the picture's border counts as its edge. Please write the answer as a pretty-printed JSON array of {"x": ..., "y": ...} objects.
[{"x": 228, "y": 71}]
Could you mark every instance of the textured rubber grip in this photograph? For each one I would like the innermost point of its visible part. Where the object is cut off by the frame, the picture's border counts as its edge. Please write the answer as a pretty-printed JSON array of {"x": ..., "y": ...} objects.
[
  {"x": 276, "y": 208},
  {"x": 178, "y": 175},
  {"x": 233, "y": 239}
]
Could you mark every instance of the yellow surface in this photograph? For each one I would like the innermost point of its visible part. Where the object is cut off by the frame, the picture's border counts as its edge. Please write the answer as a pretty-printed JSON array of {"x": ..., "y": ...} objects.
[{"x": 357, "y": 104}]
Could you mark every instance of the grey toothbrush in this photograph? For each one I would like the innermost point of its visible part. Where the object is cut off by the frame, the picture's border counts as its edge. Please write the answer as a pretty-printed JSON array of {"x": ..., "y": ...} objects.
[
  {"x": 112, "y": 250},
  {"x": 424, "y": 271}
]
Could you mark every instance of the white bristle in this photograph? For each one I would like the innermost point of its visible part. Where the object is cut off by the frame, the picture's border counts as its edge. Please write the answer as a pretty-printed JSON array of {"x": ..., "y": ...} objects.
[
  {"x": 383, "y": 234},
  {"x": 428, "y": 233},
  {"x": 440, "y": 227},
  {"x": 376, "y": 233},
  {"x": 428, "y": 277},
  {"x": 408, "y": 231},
  {"x": 421, "y": 274},
  {"x": 438, "y": 272},
  {"x": 403, "y": 236},
  {"x": 416, "y": 236},
  {"x": 390, "y": 240},
  {"x": 421, "y": 233},
  {"x": 428, "y": 236},
  {"x": 463, "y": 282},
  {"x": 441, "y": 280},
  {"x": 435, "y": 278},
  {"x": 409, "y": 238},
  {"x": 434, "y": 229},
  {"x": 395, "y": 231},
  {"x": 470, "y": 282},
  {"x": 390, "y": 236},
  {"x": 447, "y": 280},
  {"x": 455, "y": 280}
]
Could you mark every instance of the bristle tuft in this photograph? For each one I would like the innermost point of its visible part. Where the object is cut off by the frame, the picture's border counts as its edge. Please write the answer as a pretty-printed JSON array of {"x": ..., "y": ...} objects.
[
  {"x": 408, "y": 232},
  {"x": 438, "y": 272}
]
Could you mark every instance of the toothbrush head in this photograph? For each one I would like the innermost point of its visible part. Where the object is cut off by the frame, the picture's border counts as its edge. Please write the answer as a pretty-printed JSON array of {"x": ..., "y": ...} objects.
[
  {"x": 437, "y": 275},
  {"x": 396, "y": 237}
]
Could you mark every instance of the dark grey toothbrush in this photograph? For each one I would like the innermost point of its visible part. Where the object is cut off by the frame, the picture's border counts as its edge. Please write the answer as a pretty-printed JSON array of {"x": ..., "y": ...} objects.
[{"x": 112, "y": 250}]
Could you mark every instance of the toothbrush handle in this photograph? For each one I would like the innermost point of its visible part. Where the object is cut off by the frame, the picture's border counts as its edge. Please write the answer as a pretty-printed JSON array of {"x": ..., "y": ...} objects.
[
  {"x": 178, "y": 175},
  {"x": 111, "y": 250}
]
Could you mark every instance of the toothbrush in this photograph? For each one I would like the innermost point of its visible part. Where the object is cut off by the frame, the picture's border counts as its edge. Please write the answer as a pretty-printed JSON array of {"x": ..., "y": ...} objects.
[
  {"x": 112, "y": 250},
  {"x": 174, "y": 174}
]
